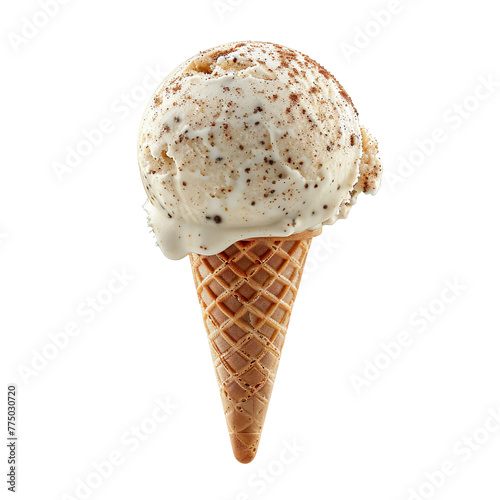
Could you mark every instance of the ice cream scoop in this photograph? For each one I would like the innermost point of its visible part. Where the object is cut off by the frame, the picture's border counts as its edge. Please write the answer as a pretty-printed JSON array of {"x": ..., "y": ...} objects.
[{"x": 250, "y": 140}]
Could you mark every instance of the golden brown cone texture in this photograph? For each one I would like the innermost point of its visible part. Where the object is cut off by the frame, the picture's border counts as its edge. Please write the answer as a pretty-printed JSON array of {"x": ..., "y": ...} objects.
[{"x": 246, "y": 295}]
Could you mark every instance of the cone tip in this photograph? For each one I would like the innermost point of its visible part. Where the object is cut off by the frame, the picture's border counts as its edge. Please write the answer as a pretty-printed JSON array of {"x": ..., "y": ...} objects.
[{"x": 245, "y": 446}]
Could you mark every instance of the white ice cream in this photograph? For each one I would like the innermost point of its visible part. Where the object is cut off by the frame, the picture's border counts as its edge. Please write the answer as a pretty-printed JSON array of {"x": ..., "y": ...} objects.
[{"x": 246, "y": 140}]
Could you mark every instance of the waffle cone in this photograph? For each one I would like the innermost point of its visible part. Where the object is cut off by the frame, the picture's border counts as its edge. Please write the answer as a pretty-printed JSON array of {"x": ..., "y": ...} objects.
[{"x": 246, "y": 294}]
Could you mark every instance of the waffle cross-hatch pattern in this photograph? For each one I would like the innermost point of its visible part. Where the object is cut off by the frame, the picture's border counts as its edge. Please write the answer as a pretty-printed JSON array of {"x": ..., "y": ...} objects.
[{"x": 246, "y": 294}]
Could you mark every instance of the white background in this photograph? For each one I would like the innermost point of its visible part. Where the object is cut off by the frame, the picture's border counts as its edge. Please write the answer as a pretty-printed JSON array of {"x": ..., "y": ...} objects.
[{"x": 369, "y": 279}]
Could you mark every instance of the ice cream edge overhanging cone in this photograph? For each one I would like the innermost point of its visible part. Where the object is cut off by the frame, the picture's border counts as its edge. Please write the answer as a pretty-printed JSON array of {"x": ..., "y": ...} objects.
[{"x": 246, "y": 151}]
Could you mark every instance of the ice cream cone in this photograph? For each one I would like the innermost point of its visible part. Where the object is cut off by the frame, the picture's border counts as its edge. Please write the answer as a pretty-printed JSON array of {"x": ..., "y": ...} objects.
[{"x": 246, "y": 294}]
